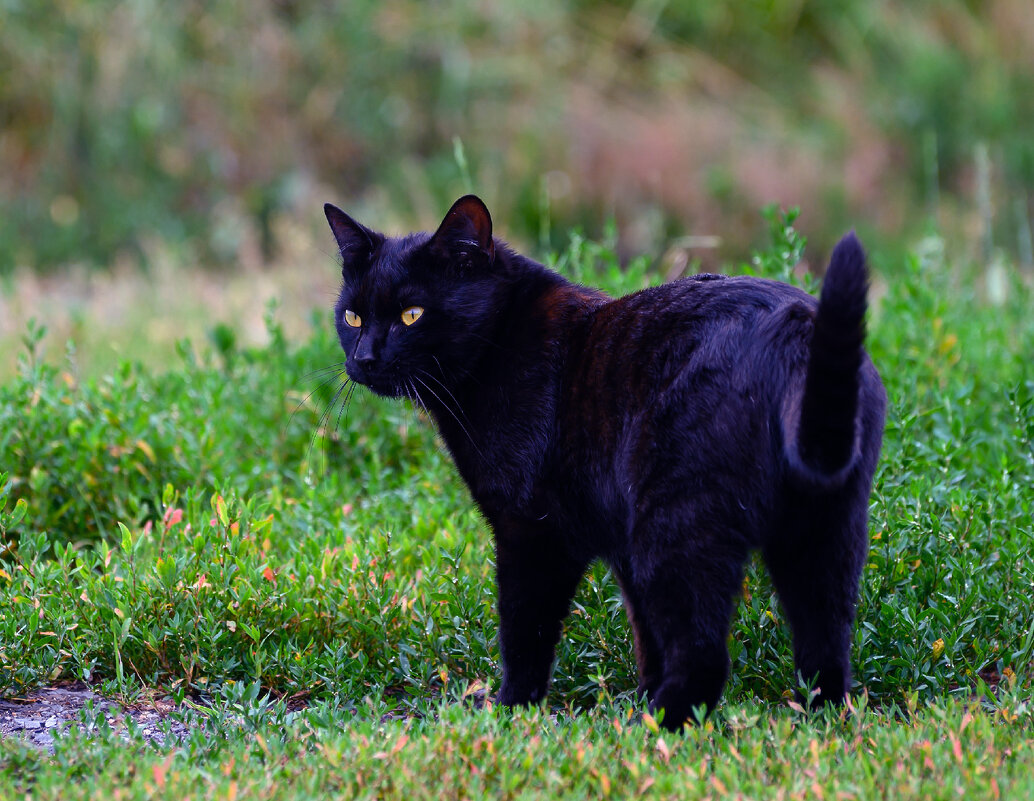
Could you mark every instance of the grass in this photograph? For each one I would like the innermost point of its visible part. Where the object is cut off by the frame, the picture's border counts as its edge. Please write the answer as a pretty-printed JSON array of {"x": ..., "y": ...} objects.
[
  {"x": 94, "y": 310},
  {"x": 225, "y": 532},
  {"x": 750, "y": 751}
]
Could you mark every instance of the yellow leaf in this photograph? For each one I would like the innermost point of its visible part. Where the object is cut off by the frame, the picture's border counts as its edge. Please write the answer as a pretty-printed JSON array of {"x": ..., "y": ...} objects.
[
  {"x": 938, "y": 649},
  {"x": 947, "y": 344},
  {"x": 220, "y": 510},
  {"x": 148, "y": 451}
]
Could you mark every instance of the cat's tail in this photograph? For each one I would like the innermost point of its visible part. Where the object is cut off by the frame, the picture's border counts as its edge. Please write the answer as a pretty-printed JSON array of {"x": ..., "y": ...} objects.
[{"x": 827, "y": 441}]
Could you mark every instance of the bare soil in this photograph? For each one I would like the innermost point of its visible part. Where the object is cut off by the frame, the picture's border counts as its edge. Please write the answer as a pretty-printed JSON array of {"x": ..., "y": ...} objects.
[{"x": 41, "y": 715}]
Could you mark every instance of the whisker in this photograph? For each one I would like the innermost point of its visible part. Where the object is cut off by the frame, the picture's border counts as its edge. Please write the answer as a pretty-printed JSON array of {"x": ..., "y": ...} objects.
[
  {"x": 419, "y": 402},
  {"x": 441, "y": 369},
  {"x": 342, "y": 411},
  {"x": 319, "y": 386},
  {"x": 339, "y": 366},
  {"x": 321, "y": 431},
  {"x": 416, "y": 404},
  {"x": 321, "y": 423},
  {"x": 407, "y": 387},
  {"x": 455, "y": 378},
  {"x": 440, "y": 383},
  {"x": 459, "y": 422}
]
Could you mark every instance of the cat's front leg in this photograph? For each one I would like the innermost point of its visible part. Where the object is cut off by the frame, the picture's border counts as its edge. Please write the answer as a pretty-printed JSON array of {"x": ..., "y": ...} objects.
[
  {"x": 536, "y": 582},
  {"x": 648, "y": 656}
]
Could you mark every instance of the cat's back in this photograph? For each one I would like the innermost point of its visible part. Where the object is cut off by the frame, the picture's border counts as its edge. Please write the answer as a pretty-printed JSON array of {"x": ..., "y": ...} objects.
[
  {"x": 700, "y": 366},
  {"x": 686, "y": 355},
  {"x": 708, "y": 297},
  {"x": 720, "y": 324}
]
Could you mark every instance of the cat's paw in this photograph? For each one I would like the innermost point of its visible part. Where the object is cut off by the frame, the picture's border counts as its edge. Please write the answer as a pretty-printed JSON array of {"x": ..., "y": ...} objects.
[
  {"x": 515, "y": 694},
  {"x": 829, "y": 690},
  {"x": 686, "y": 701}
]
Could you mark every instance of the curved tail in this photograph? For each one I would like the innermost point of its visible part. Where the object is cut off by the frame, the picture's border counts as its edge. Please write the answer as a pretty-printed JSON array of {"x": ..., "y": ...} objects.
[{"x": 827, "y": 437}]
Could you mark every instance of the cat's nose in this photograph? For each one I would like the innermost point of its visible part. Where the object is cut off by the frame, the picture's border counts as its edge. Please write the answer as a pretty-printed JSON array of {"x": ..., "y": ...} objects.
[{"x": 363, "y": 356}]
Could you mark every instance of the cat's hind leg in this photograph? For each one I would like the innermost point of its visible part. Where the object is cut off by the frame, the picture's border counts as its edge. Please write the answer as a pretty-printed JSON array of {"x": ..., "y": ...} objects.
[
  {"x": 687, "y": 586},
  {"x": 647, "y": 650},
  {"x": 815, "y": 557},
  {"x": 536, "y": 582}
]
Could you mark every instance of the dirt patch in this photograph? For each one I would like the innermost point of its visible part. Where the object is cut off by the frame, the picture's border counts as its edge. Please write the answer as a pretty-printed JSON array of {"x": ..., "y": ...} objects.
[{"x": 41, "y": 715}]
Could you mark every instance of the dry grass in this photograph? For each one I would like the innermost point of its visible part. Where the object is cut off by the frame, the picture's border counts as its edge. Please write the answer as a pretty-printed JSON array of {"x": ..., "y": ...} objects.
[{"x": 125, "y": 313}]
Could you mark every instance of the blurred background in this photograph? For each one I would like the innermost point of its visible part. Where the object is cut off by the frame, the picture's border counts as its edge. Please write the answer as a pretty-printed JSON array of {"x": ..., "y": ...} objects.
[{"x": 163, "y": 165}]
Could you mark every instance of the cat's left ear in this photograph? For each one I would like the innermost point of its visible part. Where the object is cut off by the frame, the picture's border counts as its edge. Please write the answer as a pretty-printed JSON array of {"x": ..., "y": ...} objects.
[
  {"x": 465, "y": 236},
  {"x": 355, "y": 242}
]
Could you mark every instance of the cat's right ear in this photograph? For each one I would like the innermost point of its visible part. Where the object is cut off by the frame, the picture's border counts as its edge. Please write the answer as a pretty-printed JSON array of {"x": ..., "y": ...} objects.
[
  {"x": 465, "y": 236},
  {"x": 355, "y": 242}
]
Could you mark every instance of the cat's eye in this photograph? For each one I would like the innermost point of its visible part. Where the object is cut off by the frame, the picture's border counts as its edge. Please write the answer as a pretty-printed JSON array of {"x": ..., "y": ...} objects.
[
  {"x": 353, "y": 319},
  {"x": 412, "y": 314}
]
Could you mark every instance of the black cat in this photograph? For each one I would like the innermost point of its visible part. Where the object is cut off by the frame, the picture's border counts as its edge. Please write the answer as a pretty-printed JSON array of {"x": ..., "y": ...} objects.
[{"x": 668, "y": 432}]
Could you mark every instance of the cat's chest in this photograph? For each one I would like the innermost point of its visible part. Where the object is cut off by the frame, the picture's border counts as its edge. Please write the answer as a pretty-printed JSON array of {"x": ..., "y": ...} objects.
[
  {"x": 501, "y": 443},
  {"x": 536, "y": 468}
]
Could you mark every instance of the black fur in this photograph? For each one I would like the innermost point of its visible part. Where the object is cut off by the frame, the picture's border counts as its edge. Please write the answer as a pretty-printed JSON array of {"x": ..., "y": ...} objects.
[{"x": 668, "y": 432}]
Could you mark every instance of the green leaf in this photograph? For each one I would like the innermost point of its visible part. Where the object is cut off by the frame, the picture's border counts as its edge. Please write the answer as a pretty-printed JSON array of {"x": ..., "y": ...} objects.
[
  {"x": 123, "y": 632},
  {"x": 220, "y": 510},
  {"x": 167, "y": 571},
  {"x": 127, "y": 537},
  {"x": 20, "y": 508}
]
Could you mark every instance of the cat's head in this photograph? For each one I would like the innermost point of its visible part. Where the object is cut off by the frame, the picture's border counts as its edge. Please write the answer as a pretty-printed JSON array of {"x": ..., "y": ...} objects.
[{"x": 416, "y": 311}]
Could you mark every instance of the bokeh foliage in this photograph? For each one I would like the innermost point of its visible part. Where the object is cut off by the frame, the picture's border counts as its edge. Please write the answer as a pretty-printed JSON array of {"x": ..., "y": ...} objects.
[{"x": 128, "y": 126}]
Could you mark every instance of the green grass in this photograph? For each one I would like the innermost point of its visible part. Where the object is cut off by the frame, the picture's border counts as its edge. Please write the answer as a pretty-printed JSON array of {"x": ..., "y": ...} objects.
[
  {"x": 749, "y": 751},
  {"x": 215, "y": 533}
]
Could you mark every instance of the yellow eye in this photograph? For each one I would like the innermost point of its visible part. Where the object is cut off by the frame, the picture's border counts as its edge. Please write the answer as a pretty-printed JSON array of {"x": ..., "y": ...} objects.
[
  {"x": 353, "y": 319},
  {"x": 412, "y": 314}
]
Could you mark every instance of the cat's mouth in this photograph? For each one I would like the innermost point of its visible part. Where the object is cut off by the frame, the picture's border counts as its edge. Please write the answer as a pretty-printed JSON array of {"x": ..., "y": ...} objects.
[
  {"x": 385, "y": 390},
  {"x": 385, "y": 385}
]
